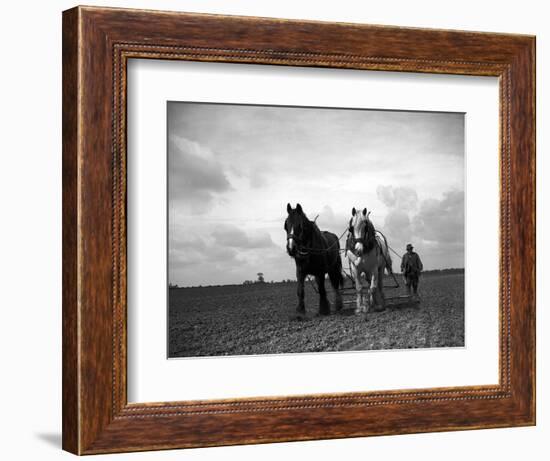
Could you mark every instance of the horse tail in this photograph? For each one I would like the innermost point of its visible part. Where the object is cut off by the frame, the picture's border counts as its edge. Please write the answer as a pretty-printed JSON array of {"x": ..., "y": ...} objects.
[
  {"x": 338, "y": 278},
  {"x": 334, "y": 269},
  {"x": 385, "y": 252},
  {"x": 339, "y": 272}
]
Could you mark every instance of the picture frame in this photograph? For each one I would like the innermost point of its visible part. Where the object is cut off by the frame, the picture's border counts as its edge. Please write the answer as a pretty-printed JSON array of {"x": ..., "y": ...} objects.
[{"x": 97, "y": 44}]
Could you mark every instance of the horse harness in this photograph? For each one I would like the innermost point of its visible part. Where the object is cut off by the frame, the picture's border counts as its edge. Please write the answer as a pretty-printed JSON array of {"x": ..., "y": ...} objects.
[{"x": 305, "y": 251}]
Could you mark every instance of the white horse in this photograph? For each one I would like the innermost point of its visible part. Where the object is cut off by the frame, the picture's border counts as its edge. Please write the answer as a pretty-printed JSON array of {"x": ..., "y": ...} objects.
[{"x": 367, "y": 252}]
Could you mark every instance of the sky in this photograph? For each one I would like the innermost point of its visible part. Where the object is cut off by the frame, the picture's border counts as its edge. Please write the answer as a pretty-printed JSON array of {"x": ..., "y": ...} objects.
[{"x": 232, "y": 169}]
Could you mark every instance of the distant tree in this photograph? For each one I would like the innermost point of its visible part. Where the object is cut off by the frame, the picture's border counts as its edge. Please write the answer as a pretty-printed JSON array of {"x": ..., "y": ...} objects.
[{"x": 260, "y": 277}]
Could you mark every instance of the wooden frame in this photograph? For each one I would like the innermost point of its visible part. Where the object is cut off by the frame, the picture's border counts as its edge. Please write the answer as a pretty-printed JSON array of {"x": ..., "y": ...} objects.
[{"x": 97, "y": 43}]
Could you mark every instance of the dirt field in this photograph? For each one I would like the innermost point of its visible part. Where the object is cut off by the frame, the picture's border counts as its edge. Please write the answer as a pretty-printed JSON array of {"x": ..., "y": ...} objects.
[{"x": 260, "y": 319}]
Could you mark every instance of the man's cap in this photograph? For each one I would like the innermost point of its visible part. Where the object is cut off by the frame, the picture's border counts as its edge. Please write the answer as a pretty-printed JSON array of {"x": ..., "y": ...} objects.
[{"x": 409, "y": 246}]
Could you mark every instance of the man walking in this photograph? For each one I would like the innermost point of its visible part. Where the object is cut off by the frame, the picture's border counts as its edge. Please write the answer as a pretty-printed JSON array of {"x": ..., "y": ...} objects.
[{"x": 411, "y": 267}]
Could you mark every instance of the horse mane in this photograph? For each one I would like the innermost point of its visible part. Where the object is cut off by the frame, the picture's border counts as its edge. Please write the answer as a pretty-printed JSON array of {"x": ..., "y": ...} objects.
[
  {"x": 316, "y": 235},
  {"x": 319, "y": 234},
  {"x": 313, "y": 239},
  {"x": 370, "y": 237}
]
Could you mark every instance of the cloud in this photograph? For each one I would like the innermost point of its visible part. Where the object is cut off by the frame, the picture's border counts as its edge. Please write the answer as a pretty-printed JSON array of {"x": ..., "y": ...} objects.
[
  {"x": 195, "y": 250},
  {"x": 435, "y": 226},
  {"x": 196, "y": 176},
  {"x": 441, "y": 220},
  {"x": 228, "y": 253},
  {"x": 239, "y": 165},
  {"x": 331, "y": 221},
  {"x": 403, "y": 198},
  {"x": 185, "y": 250},
  {"x": 257, "y": 178},
  {"x": 401, "y": 203},
  {"x": 192, "y": 260},
  {"x": 398, "y": 225},
  {"x": 232, "y": 236}
]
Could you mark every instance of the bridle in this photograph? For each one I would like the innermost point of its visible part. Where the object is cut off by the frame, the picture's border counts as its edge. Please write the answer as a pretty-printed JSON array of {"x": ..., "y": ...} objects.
[
  {"x": 363, "y": 239},
  {"x": 354, "y": 239},
  {"x": 301, "y": 250}
]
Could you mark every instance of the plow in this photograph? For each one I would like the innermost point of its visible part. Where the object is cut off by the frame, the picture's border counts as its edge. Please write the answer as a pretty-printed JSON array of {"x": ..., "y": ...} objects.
[
  {"x": 390, "y": 291},
  {"x": 392, "y": 296}
]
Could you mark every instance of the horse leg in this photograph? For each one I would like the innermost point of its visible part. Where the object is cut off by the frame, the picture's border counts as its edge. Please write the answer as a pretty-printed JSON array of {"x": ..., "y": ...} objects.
[
  {"x": 369, "y": 300},
  {"x": 377, "y": 294},
  {"x": 301, "y": 309},
  {"x": 337, "y": 281},
  {"x": 381, "y": 288},
  {"x": 324, "y": 305},
  {"x": 358, "y": 292}
]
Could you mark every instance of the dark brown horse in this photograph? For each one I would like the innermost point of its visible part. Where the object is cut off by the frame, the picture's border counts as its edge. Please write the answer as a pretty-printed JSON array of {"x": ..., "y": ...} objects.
[{"x": 315, "y": 253}]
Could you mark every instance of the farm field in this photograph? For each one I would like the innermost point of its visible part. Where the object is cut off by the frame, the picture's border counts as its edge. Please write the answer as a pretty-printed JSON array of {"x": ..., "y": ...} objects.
[{"x": 260, "y": 319}]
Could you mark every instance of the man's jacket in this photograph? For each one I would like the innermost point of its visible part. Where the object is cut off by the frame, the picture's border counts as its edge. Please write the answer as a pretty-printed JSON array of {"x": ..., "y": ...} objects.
[{"x": 411, "y": 264}]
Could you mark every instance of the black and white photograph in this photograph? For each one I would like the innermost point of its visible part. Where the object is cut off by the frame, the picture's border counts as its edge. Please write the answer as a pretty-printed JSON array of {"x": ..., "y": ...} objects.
[
  {"x": 275, "y": 230},
  {"x": 310, "y": 229}
]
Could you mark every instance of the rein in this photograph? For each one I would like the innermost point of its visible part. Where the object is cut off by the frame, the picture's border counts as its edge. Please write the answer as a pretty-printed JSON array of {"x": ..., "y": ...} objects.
[{"x": 303, "y": 250}]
